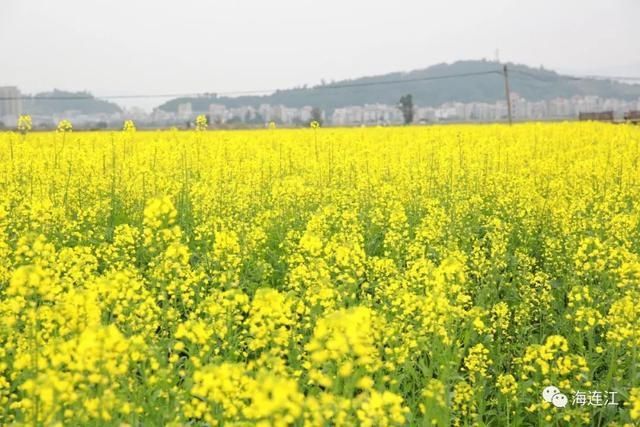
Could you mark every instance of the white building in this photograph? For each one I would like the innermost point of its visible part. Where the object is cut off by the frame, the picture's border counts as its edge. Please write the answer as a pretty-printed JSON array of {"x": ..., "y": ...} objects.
[
  {"x": 218, "y": 113},
  {"x": 184, "y": 111}
]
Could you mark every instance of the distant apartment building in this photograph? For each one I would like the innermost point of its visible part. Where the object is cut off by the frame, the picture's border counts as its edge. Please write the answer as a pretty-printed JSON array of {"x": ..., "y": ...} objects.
[
  {"x": 536, "y": 110},
  {"x": 161, "y": 117},
  {"x": 217, "y": 113},
  {"x": 521, "y": 109},
  {"x": 264, "y": 113},
  {"x": 355, "y": 115},
  {"x": 518, "y": 107},
  {"x": 480, "y": 111},
  {"x": 305, "y": 114},
  {"x": 289, "y": 115},
  {"x": 424, "y": 114},
  {"x": 385, "y": 114},
  {"x": 244, "y": 114},
  {"x": 371, "y": 114},
  {"x": 185, "y": 112},
  {"x": 561, "y": 107},
  {"x": 10, "y": 103}
]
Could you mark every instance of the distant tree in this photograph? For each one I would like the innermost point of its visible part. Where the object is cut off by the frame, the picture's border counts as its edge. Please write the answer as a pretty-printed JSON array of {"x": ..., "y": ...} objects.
[
  {"x": 406, "y": 107},
  {"x": 235, "y": 120},
  {"x": 257, "y": 119},
  {"x": 316, "y": 115}
]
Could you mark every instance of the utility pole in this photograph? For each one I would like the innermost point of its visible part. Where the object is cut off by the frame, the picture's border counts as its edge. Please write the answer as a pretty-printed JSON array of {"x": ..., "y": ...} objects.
[{"x": 507, "y": 92}]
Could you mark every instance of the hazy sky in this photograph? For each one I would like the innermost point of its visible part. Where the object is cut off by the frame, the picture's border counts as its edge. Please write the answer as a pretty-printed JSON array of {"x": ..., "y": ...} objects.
[{"x": 161, "y": 46}]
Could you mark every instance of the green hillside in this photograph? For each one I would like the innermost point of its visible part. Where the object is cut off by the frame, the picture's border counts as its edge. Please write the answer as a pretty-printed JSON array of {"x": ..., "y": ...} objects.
[
  {"x": 57, "y": 102},
  {"x": 531, "y": 83}
]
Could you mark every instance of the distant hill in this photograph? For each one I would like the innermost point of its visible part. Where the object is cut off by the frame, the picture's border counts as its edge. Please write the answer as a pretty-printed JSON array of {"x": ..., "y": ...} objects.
[
  {"x": 61, "y": 101},
  {"x": 532, "y": 83}
]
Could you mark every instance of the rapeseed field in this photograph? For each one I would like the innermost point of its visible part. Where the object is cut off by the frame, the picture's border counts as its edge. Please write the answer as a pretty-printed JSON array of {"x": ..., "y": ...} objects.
[{"x": 446, "y": 275}]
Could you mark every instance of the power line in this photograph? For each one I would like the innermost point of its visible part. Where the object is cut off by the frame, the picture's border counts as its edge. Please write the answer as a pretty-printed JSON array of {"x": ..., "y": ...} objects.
[
  {"x": 547, "y": 80},
  {"x": 399, "y": 81},
  {"x": 248, "y": 92},
  {"x": 559, "y": 77},
  {"x": 551, "y": 79},
  {"x": 635, "y": 78},
  {"x": 140, "y": 96}
]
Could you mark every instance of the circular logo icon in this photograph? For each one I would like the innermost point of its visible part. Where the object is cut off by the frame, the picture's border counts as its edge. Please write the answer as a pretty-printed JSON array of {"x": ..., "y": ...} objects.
[
  {"x": 549, "y": 392},
  {"x": 559, "y": 400}
]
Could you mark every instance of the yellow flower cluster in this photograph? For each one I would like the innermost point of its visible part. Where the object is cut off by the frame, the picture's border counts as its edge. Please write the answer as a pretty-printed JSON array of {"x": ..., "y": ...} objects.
[
  {"x": 24, "y": 123},
  {"x": 343, "y": 345},
  {"x": 228, "y": 392},
  {"x": 634, "y": 402},
  {"x": 478, "y": 362},
  {"x": 440, "y": 275},
  {"x": 65, "y": 126},
  {"x": 129, "y": 126},
  {"x": 201, "y": 123},
  {"x": 507, "y": 384}
]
